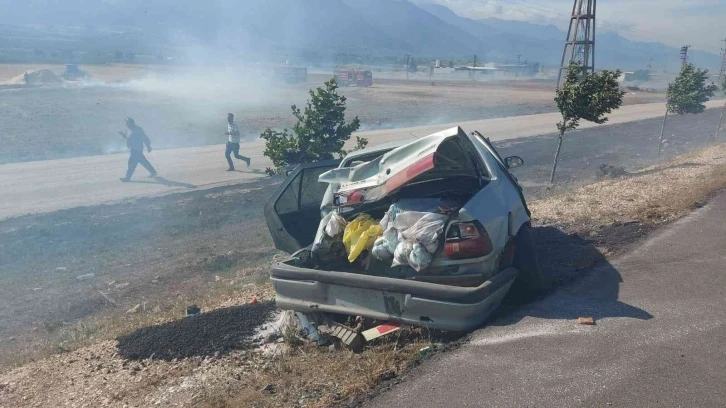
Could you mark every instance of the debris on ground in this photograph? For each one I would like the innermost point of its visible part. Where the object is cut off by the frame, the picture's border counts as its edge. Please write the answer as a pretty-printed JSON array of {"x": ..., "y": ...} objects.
[
  {"x": 607, "y": 170},
  {"x": 428, "y": 350},
  {"x": 134, "y": 309},
  {"x": 381, "y": 330},
  {"x": 586, "y": 320},
  {"x": 270, "y": 388},
  {"x": 85, "y": 277},
  {"x": 220, "y": 331},
  {"x": 350, "y": 338},
  {"x": 192, "y": 310}
]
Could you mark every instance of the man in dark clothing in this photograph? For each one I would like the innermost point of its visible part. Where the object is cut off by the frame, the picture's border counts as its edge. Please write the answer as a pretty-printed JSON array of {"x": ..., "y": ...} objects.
[
  {"x": 136, "y": 139},
  {"x": 233, "y": 143}
]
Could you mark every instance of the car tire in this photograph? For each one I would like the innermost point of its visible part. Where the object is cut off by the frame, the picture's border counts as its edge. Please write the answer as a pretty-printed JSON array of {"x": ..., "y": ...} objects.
[{"x": 529, "y": 281}]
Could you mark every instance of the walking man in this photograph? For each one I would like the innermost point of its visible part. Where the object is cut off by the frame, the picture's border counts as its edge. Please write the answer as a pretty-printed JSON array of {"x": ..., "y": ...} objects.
[
  {"x": 136, "y": 139},
  {"x": 233, "y": 143},
  {"x": 26, "y": 78}
]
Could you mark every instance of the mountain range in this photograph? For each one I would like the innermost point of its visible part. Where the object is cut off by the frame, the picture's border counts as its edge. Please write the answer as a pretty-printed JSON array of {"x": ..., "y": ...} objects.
[{"x": 323, "y": 27}]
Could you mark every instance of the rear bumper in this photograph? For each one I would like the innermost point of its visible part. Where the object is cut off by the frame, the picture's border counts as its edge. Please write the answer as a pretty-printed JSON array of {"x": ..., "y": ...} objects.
[{"x": 417, "y": 303}]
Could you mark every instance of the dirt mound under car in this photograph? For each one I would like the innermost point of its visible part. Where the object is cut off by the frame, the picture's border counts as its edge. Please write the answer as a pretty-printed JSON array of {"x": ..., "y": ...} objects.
[{"x": 205, "y": 334}]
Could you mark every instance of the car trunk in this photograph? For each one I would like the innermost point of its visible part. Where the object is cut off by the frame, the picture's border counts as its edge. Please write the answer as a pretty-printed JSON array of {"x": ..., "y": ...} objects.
[{"x": 422, "y": 196}]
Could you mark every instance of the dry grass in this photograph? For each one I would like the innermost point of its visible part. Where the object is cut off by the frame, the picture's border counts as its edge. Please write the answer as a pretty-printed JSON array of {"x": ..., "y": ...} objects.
[
  {"x": 64, "y": 337},
  {"x": 656, "y": 194}
]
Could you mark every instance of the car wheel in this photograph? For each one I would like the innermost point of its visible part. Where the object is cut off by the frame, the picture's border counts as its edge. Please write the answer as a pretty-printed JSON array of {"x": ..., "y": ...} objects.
[{"x": 529, "y": 280}]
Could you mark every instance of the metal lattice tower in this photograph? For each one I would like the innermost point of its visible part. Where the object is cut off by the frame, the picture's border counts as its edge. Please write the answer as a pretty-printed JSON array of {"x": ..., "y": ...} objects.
[
  {"x": 684, "y": 55},
  {"x": 580, "y": 42},
  {"x": 722, "y": 71}
]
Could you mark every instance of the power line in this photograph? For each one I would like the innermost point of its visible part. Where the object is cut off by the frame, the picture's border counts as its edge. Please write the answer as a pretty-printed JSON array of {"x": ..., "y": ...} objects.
[
  {"x": 619, "y": 26},
  {"x": 539, "y": 9}
]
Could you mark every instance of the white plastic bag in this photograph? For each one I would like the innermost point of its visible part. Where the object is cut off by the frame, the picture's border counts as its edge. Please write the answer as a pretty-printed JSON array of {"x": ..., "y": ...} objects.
[
  {"x": 406, "y": 219},
  {"x": 432, "y": 246},
  {"x": 391, "y": 236},
  {"x": 419, "y": 258},
  {"x": 335, "y": 226},
  {"x": 400, "y": 256},
  {"x": 387, "y": 220},
  {"x": 426, "y": 230},
  {"x": 380, "y": 250}
]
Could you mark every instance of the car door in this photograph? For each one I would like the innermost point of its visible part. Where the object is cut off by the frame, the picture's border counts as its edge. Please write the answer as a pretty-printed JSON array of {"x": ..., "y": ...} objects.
[
  {"x": 490, "y": 148},
  {"x": 293, "y": 211}
]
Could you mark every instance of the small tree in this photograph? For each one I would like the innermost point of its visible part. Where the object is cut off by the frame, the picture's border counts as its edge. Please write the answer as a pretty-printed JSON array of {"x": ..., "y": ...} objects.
[
  {"x": 319, "y": 134},
  {"x": 590, "y": 97},
  {"x": 687, "y": 94},
  {"x": 723, "y": 89}
]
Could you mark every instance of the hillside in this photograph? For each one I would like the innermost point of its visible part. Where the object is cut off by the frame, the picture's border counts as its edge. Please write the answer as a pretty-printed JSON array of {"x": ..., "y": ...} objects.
[{"x": 379, "y": 28}]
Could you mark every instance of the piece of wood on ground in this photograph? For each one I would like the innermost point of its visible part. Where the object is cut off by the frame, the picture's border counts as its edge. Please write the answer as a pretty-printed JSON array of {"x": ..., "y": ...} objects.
[{"x": 586, "y": 320}]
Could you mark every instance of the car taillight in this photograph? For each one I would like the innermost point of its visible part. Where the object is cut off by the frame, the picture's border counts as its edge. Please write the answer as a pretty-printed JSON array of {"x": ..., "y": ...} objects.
[{"x": 467, "y": 240}]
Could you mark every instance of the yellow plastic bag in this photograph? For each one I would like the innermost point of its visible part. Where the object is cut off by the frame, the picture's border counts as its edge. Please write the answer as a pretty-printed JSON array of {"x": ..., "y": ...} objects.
[
  {"x": 352, "y": 228},
  {"x": 366, "y": 241},
  {"x": 360, "y": 234}
]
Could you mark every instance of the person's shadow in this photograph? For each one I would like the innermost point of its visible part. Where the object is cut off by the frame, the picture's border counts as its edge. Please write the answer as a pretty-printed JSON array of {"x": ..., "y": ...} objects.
[
  {"x": 164, "y": 182},
  {"x": 581, "y": 283}
]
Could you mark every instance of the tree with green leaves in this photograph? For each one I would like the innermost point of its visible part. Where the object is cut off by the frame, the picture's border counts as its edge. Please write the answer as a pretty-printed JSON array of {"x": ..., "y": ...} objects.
[
  {"x": 588, "y": 96},
  {"x": 688, "y": 93},
  {"x": 720, "y": 119},
  {"x": 319, "y": 134}
]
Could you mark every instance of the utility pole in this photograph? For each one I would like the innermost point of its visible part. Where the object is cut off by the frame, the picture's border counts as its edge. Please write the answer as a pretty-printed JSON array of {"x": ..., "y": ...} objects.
[
  {"x": 722, "y": 84},
  {"x": 684, "y": 55},
  {"x": 580, "y": 41},
  {"x": 722, "y": 71},
  {"x": 472, "y": 73},
  {"x": 408, "y": 59}
]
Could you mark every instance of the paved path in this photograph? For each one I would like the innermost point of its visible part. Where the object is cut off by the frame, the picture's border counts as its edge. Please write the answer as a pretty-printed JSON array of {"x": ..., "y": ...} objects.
[
  {"x": 660, "y": 338},
  {"x": 50, "y": 185}
]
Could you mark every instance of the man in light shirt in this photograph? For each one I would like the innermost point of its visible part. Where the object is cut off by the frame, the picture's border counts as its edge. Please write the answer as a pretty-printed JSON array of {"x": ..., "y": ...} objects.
[{"x": 233, "y": 143}]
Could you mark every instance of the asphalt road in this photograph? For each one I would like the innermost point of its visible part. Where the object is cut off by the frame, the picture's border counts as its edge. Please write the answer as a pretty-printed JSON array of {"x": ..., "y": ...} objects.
[
  {"x": 44, "y": 186},
  {"x": 658, "y": 342}
]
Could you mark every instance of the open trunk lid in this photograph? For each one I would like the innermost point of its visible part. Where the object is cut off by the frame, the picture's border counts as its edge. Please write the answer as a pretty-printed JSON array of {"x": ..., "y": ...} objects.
[{"x": 445, "y": 154}]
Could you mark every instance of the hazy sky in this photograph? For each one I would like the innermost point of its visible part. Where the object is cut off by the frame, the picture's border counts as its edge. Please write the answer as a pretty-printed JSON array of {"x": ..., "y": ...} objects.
[{"x": 700, "y": 23}]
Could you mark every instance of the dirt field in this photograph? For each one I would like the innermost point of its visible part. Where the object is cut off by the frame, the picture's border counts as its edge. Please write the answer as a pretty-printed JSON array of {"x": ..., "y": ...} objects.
[{"x": 189, "y": 109}]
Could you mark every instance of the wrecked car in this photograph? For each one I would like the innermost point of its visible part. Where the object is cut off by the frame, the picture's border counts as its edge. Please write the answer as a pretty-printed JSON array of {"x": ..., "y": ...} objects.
[{"x": 432, "y": 232}]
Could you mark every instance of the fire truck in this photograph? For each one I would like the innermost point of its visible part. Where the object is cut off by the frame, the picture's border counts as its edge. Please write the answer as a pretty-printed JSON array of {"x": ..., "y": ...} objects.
[{"x": 354, "y": 77}]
